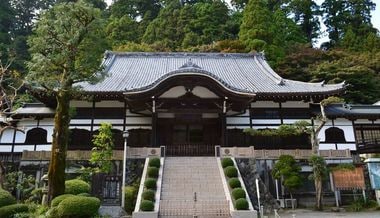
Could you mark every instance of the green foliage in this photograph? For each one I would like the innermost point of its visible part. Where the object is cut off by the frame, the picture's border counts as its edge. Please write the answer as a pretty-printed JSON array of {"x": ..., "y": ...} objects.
[
  {"x": 226, "y": 162},
  {"x": 319, "y": 167},
  {"x": 154, "y": 162},
  {"x": 21, "y": 182},
  {"x": 130, "y": 198},
  {"x": 146, "y": 205},
  {"x": 60, "y": 198},
  {"x": 149, "y": 195},
  {"x": 6, "y": 198},
  {"x": 241, "y": 204},
  {"x": 76, "y": 186},
  {"x": 84, "y": 194},
  {"x": 10, "y": 210},
  {"x": 238, "y": 193},
  {"x": 361, "y": 203},
  {"x": 234, "y": 183},
  {"x": 35, "y": 196},
  {"x": 150, "y": 183},
  {"x": 101, "y": 153},
  {"x": 344, "y": 166},
  {"x": 284, "y": 130},
  {"x": 230, "y": 172},
  {"x": 78, "y": 206},
  {"x": 152, "y": 172},
  {"x": 287, "y": 169}
]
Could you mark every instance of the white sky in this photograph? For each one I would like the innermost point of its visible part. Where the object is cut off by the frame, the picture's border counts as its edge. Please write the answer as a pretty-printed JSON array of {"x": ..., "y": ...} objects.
[{"x": 375, "y": 18}]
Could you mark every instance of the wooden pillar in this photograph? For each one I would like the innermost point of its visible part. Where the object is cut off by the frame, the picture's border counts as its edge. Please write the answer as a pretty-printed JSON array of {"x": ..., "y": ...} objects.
[
  {"x": 13, "y": 143},
  {"x": 92, "y": 116},
  {"x": 224, "y": 123},
  {"x": 154, "y": 123}
]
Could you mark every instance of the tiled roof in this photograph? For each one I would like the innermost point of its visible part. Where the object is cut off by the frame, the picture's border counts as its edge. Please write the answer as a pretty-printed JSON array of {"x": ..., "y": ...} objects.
[
  {"x": 350, "y": 111},
  {"x": 243, "y": 73}
]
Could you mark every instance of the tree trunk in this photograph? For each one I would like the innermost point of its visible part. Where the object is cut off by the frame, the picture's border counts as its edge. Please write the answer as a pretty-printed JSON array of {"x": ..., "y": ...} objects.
[
  {"x": 57, "y": 165},
  {"x": 2, "y": 175},
  {"x": 318, "y": 193}
]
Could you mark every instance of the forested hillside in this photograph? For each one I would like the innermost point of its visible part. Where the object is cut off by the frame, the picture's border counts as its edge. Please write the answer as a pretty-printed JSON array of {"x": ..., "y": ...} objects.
[{"x": 285, "y": 30}]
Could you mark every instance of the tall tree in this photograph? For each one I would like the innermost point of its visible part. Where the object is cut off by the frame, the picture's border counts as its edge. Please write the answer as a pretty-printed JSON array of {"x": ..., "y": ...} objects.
[
  {"x": 306, "y": 14},
  {"x": 6, "y": 20},
  {"x": 319, "y": 166},
  {"x": 136, "y": 8},
  {"x": 255, "y": 31},
  {"x": 66, "y": 49}
]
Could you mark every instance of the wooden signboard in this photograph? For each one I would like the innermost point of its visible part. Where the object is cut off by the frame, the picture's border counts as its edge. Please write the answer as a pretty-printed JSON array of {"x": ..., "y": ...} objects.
[{"x": 349, "y": 179}]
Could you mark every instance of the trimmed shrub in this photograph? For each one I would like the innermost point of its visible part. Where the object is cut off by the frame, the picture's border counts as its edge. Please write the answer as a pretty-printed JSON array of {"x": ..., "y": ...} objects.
[
  {"x": 152, "y": 172},
  {"x": 234, "y": 183},
  {"x": 52, "y": 213},
  {"x": 154, "y": 162},
  {"x": 226, "y": 162},
  {"x": 76, "y": 186},
  {"x": 130, "y": 198},
  {"x": 146, "y": 205},
  {"x": 6, "y": 198},
  {"x": 149, "y": 195},
  {"x": 10, "y": 210},
  {"x": 241, "y": 204},
  {"x": 238, "y": 193},
  {"x": 60, "y": 198},
  {"x": 78, "y": 206},
  {"x": 230, "y": 172},
  {"x": 151, "y": 183},
  {"x": 84, "y": 194}
]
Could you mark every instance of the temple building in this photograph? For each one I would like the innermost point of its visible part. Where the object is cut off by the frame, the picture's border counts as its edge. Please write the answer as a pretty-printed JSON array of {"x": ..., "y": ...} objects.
[{"x": 189, "y": 103}]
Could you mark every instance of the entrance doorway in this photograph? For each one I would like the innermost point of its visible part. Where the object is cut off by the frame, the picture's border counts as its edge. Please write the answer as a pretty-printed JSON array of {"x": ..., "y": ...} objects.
[{"x": 189, "y": 135}]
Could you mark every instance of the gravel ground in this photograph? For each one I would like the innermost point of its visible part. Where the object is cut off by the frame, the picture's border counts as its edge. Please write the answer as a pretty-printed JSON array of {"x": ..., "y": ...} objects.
[{"x": 300, "y": 213}]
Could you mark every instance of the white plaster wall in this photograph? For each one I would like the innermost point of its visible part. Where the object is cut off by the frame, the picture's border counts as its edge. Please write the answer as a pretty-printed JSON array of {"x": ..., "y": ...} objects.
[
  {"x": 20, "y": 137},
  {"x": 351, "y": 146},
  {"x": 237, "y": 120},
  {"x": 323, "y": 146},
  {"x": 80, "y": 103},
  {"x": 292, "y": 121},
  {"x": 5, "y": 148},
  {"x": 43, "y": 148},
  {"x": 295, "y": 104},
  {"x": 266, "y": 121},
  {"x": 81, "y": 127},
  {"x": 112, "y": 104},
  {"x": 111, "y": 121},
  {"x": 7, "y": 136},
  {"x": 80, "y": 121},
  {"x": 138, "y": 120},
  {"x": 203, "y": 92},
  {"x": 138, "y": 127},
  {"x": 264, "y": 104},
  {"x": 174, "y": 92},
  {"x": 20, "y": 148}
]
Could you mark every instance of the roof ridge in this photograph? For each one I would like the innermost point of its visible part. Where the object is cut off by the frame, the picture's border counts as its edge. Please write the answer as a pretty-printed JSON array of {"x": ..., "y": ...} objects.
[{"x": 182, "y": 54}]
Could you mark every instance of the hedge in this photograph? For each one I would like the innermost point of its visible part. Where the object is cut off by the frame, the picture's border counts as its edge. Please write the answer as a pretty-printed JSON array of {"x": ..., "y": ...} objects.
[
  {"x": 10, "y": 210},
  {"x": 226, "y": 162},
  {"x": 150, "y": 183},
  {"x": 6, "y": 198},
  {"x": 76, "y": 186},
  {"x": 84, "y": 194},
  {"x": 60, "y": 198},
  {"x": 149, "y": 195},
  {"x": 241, "y": 204},
  {"x": 230, "y": 172},
  {"x": 238, "y": 193},
  {"x": 234, "y": 183},
  {"x": 78, "y": 206},
  {"x": 130, "y": 198},
  {"x": 146, "y": 205},
  {"x": 152, "y": 172},
  {"x": 154, "y": 162}
]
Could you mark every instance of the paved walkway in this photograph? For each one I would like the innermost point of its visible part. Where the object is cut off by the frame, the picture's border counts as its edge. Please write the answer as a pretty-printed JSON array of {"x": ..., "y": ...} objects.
[{"x": 301, "y": 213}]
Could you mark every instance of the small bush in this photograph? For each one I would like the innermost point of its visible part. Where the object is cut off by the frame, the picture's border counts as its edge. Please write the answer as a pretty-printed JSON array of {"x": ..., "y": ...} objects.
[
  {"x": 52, "y": 213},
  {"x": 234, "y": 183},
  {"x": 130, "y": 198},
  {"x": 151, "y": 183},
  {"x": 10, "y": 210},
  {"x": 149, "y": 195},
  {"x": 152, "y": 172},
  {"x": 238, "y": 193},
  {"x": 78, "y": 206},
  {"x": 146, "y": 205},
  {"x": 60, "y": 198},
  {"x": 226, "y": 162},
  {"x": 241, "y": 204},
  {"x": 76, "y": 186},
  {"x": 230, "y": 172},
  {"x": 6, "y": 198},
  {"x": 155, "y": 162},
  {"x": 84, "y": 194}
]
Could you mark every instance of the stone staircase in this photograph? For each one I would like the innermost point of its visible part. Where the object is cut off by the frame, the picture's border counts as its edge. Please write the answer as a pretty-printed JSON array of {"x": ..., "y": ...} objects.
[{"x": 192, "y": 186}]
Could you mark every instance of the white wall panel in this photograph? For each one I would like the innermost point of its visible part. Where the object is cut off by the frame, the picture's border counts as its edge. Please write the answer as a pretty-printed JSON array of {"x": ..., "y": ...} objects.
[
  {"x": 80, "y": 121},
  {"x": 295, "y": 104},
  {"x": 5, "y": 148},
  {"x": 324, "y": 146},
  {"x": 20, "y": 137},
  {"x": 111, "y": 104},
  {"x": 264, "y": 104},
  {"x": 20, "y": 148},
  {"x": 174, "y": 92},
  {"x": 139, "y": 120},
  {"x": 237, "y": 120},
  {"x": 266, "y": 121},
  {"x": 111, "y": 121},
  {"x": 80, "y": 104},
  {"x": 7, "y": 136},
  {"x": 352, "y": 146},
  {"x": 43, "y": 148}
]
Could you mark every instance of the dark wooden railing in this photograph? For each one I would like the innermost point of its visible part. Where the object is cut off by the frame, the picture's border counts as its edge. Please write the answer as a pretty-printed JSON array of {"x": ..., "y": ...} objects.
[{"x": 190, "y": 150}]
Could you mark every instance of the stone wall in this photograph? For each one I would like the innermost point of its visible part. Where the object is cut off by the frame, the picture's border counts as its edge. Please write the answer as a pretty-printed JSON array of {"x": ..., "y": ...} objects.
[{"x": 247, "y": 168}]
